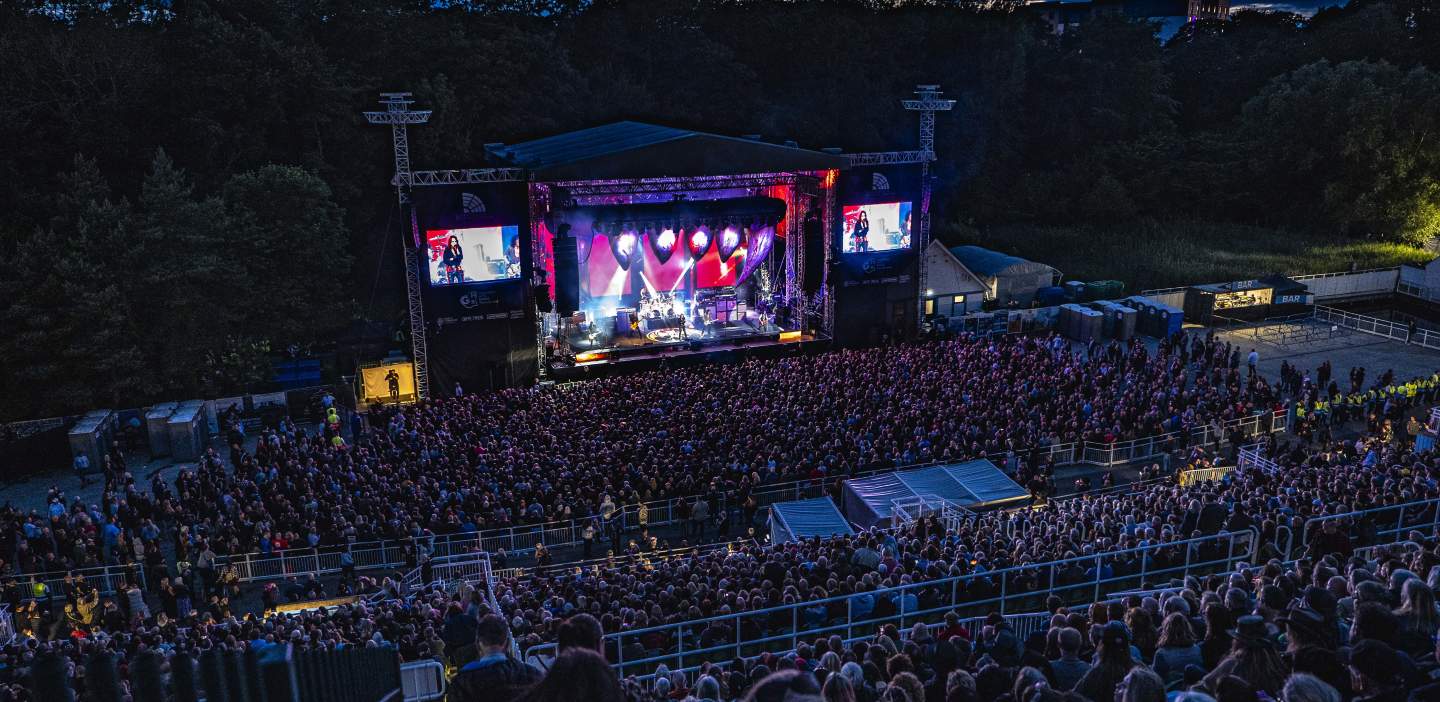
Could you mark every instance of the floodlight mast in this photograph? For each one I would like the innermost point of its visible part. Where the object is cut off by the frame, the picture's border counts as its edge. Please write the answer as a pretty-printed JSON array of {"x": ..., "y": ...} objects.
[
  {"x": 399, "y": 116},
  {"x": 928, "y": 103}
]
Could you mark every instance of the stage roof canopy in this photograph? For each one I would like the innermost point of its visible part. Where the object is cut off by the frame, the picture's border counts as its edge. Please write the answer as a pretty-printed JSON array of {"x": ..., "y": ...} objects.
[
  {"x": 639, "y": 150},
  {"x": 803, "y": 519},
  {"x": 869, "y": 501}
]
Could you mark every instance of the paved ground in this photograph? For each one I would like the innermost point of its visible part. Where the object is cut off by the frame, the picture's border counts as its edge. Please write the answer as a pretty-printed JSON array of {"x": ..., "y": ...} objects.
[{"x": 1343, "y": 348}]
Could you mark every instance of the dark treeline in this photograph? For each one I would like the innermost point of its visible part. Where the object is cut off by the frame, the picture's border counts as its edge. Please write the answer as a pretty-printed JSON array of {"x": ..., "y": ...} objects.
[{"x": 189, "y": 186}]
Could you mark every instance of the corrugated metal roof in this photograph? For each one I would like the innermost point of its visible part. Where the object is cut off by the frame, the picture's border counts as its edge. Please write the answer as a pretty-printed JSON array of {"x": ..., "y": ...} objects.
[
  {"x": 588, "y": 143},
  {"x": 636, "y": 149}
]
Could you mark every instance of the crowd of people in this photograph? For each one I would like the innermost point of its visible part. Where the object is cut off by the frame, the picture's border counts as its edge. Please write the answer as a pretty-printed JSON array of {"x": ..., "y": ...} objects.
[
  {"x": 1262, "y": 509},
  {"x": 1322, "y": 629},
  {"x": 525, "y": 456},
  {"x": 531, "y": 455}
]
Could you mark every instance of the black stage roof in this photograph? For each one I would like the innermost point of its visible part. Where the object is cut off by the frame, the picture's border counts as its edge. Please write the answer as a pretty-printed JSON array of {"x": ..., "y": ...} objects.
[{"x": 637, "y": 150}]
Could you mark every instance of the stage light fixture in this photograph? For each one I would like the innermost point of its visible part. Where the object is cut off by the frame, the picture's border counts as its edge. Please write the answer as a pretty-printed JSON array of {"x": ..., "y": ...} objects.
[
  {"x": 699, "y": 241},
  {"x": 729, "y": 241},
  {"x": 622, "y": 246},
  {"x": 663, "y": 244}
]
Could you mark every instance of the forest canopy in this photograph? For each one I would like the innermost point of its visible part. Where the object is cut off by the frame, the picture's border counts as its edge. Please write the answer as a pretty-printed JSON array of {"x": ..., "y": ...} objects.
[{"x": 189, "y": 185}]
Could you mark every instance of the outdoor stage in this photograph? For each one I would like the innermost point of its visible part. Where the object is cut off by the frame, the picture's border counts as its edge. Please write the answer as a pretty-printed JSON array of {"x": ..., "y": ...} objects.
[{"x": 632, "y": 242}]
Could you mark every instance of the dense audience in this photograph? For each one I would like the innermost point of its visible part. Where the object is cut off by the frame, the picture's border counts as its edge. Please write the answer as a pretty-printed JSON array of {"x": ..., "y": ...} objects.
[
  {"x": 1317, "y": 630},
  {"x": 1271, "y": 505},
  {"x": 527, "y": 456},
  {"x": 539, "y": 454}
]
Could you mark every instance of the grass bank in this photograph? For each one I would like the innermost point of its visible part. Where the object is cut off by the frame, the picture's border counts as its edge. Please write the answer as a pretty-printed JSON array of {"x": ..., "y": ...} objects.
[{"x": 1149, "y": 255}]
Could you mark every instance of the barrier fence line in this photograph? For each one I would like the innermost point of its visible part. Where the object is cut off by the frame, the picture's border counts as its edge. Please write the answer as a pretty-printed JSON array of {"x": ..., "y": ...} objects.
[
  {"x": 422, "y": 681},
  {"x": 1407, "y": 516},
  {"x": 1035, "y": 582},
  {"x": 107, "y": 579},
  {"x": 1375, "y": 326}
]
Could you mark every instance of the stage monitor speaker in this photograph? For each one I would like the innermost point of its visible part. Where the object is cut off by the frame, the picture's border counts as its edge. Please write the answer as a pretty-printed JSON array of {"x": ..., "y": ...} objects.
[
  {"x": 567, "y": 273},
  {"x": 813, "y": 232}
]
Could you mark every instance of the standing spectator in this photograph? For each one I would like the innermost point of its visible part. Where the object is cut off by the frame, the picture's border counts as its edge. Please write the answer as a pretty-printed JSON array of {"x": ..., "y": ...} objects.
[
  {"x": 578, "y": 675},
  {"x": 1177, "y": 649},
  {"x": 495, "y": 676},
  {"x": 1069, "y": 668},
  {"x": 701, "y": 513},
  {"x": 1113, "y": 662}
]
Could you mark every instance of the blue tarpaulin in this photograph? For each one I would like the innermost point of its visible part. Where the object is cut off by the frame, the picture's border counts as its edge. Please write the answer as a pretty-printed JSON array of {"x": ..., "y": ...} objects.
[
  {"x": 869, "y": 501},
  {"x": 803, "y": 519}
]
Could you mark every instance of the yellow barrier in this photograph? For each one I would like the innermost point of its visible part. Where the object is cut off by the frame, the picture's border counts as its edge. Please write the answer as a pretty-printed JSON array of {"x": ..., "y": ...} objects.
[{"x": 1200, "y": 475}]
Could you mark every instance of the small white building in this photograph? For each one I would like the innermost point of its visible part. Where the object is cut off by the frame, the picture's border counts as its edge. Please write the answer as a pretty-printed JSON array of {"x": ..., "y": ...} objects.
[{"x": 951, "y": 289}]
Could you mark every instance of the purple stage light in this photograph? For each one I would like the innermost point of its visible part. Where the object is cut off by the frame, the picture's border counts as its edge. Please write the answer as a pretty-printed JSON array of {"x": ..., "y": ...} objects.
[{"x": 729, "y": 241}]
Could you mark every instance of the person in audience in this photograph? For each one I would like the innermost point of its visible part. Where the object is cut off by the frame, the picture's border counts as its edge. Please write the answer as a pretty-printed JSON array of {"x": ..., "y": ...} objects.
[
  {"x": 494, "y": 675},
  {"x": 1177, "y": 650},
  {"x": 1113, "y": 662},
  {"x": 1069, "y": 668},
  {"x": 1301, "y": 687},
  {"x": 786, "y": 686},
  {"x": 1140, "y": 685}
]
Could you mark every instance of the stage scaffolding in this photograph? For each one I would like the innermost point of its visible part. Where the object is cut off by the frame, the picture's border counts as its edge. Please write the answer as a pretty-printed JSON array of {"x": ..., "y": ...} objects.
[{"x": 806, "y": 190}]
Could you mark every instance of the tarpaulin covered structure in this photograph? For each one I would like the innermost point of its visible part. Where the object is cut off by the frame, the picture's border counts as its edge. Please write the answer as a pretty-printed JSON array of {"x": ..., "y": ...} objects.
[
  {"x": 979, "y": 483},
  {"x": 803, "y": 519}
]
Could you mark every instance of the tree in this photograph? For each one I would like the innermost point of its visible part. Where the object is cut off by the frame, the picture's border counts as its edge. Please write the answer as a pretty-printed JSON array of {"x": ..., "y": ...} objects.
[
  {"x": 288, "y": 240},
  {"x": 191, "y": 296},
  {"x": 70, "y": 340},
  {"x": 1352, "y": 148}
]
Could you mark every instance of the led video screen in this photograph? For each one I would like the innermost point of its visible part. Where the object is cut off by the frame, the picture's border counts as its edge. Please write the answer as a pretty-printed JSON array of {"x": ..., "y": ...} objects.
[
  {"x": 473, "y": 255},
  {"x": 883, "y": 226}
]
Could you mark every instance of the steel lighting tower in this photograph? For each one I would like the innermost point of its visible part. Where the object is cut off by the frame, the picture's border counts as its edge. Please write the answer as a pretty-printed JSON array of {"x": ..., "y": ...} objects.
[
  {"x": 399, "y": 116},
  {"x": 927, "y": 105}
]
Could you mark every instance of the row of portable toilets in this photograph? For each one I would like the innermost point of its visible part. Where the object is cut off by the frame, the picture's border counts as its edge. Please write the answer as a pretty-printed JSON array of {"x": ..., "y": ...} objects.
[
  {"x": 176, "y": 429},
  {"x": 1119, "y": 320}
]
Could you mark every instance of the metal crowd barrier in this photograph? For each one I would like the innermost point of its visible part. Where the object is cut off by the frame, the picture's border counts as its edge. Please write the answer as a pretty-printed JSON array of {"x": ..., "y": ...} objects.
[
  {"x": 108, "y": 580},
  {"x": 1375, "y": 326},
  {"x": 277, "y": 674},
  {"x": 780, "y": 628},
  {"x": 422, "y": 681},
  {"x": 1420, "y": 514}
]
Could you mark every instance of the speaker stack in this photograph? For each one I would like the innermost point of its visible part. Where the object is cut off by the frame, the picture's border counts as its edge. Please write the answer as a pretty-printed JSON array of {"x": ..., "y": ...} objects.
[{"x": 567, "y": 272}]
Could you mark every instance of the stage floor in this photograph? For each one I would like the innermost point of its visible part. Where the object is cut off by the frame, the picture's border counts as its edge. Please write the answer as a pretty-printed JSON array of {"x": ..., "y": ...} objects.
[
  {"x": 671, "y": 337},
  {"x": 741, "y": 335}
]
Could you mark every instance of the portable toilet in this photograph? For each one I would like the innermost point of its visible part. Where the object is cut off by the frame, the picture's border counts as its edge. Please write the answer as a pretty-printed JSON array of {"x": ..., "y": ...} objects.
[
  {"x": 1125, "y": 319},
  {"x": 1107, "y": 322},
  {"x": 1070, "y": 320},
  {"x": 1075, "y": 290},
  {"x": 156, "y": 419},
  {"x": 1175, "y": 322},
  {"x": 1168, "y": 320},
  {"x": 1145, "y": 321},
  {"x": 1050, "y": 296},
  {"x": 187, "y": 432},
  {"x": 90, "y": 436}
]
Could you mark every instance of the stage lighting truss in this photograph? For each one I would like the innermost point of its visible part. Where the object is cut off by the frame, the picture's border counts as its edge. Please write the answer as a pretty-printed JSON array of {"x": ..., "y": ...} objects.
[{"x": 587, "y": 188}]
